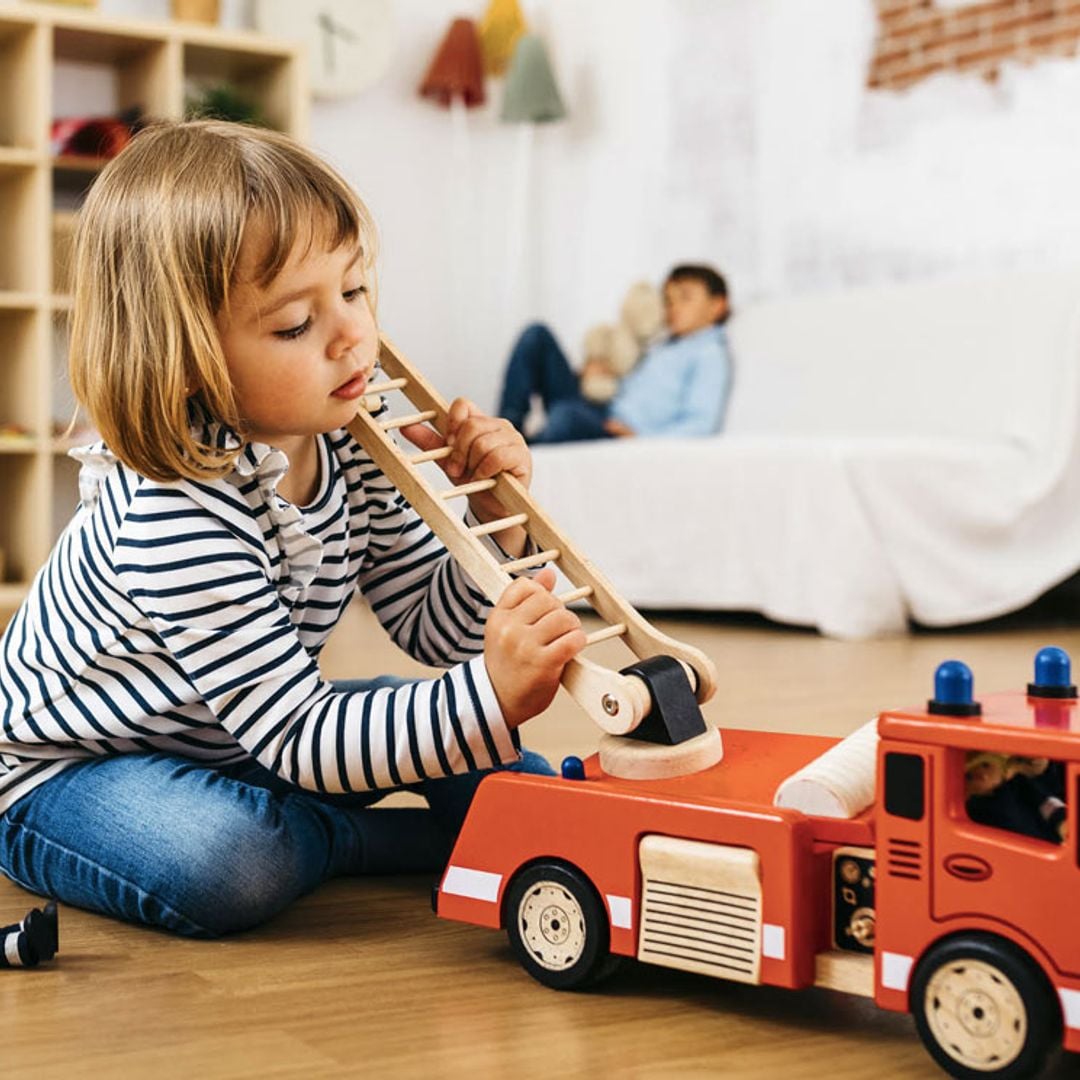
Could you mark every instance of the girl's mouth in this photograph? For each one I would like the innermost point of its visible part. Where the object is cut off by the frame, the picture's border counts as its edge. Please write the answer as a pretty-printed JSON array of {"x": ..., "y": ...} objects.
[{"x": 354, "y": 388}]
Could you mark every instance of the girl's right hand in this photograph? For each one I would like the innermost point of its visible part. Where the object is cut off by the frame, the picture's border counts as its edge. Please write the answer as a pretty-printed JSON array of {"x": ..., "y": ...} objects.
[{"x": 529, "y": 638}]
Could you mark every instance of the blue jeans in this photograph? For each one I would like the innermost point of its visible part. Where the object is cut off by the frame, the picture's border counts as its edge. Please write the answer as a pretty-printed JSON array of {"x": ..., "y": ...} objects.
[
  {"x": 203, "y": 851},
  {"x": 538, "y": 366}
]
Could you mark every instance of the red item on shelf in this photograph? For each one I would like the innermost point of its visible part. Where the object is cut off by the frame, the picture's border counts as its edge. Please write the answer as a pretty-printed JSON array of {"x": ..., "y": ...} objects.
[{"x": 98, "y": 136}]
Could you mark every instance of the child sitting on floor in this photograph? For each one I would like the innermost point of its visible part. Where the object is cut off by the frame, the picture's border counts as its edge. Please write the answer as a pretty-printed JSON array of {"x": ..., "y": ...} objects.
[
  {"x": 169, "y": 751},
  {"x": 679, "y": 388}
]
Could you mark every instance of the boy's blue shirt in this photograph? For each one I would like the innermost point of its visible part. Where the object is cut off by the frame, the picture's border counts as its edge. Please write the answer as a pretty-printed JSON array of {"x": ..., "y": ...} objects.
[{"x": 679, "y": 388}]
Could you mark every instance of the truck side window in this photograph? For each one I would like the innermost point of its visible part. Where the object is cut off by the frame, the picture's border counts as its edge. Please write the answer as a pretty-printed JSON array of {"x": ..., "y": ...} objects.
[
  {"x": 905, "y": 786},
  {"x": 1022, "y": 794}
]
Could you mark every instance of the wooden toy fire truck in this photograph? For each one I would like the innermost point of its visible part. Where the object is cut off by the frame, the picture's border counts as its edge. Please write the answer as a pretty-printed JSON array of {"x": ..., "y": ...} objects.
[
  {"x": 971, "y": 928},
  {"x": 789, "y": 860}
]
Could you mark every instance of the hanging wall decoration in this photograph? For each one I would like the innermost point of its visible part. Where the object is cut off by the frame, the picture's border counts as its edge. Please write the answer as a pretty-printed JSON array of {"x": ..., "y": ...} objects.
[
  {"x": 500, "y": 28},
  {"x": 531, "y": 97},
  {"x": 456, "y": 72}
]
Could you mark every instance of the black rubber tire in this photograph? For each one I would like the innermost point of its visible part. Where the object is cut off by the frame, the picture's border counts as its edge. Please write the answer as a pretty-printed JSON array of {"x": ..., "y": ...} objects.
[
  {"x": 1012, "y": 966},
  {"x": 576, "y": 909}
]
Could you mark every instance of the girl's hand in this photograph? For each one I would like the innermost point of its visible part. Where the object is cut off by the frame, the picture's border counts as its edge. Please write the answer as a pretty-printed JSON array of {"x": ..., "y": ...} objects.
[
  {"x": 483, "y": 446},
  {"x": 529, "y": 638}
]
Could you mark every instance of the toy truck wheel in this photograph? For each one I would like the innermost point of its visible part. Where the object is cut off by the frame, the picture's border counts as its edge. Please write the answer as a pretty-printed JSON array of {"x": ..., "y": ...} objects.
[
  {"x": 984, "y": 1009},
  {"x": 558, "y": 927}
]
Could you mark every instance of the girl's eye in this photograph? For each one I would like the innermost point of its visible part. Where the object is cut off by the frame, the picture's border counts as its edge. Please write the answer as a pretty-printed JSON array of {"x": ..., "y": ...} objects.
[
  {"x": 295, "y": 331},
  {"x": 352, "y": 294}
]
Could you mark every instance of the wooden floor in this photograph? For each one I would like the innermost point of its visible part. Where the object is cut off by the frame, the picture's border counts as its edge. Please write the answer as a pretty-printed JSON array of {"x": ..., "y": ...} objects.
[{"x": 361, "y": 979}]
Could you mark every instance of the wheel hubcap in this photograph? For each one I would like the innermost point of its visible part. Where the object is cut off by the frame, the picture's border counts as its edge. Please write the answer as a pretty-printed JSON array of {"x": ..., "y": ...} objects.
[
  {"x": 552, "y": 926},
  {"x": 976, "y": 1014}
]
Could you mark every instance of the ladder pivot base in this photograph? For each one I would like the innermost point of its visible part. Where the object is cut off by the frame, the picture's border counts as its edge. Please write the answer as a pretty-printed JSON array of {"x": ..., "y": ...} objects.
[{"x": 630, "y": 759}]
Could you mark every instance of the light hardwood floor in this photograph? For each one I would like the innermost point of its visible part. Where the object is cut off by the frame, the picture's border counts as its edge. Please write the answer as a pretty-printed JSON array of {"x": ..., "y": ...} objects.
[{"x": 361, "y": 979}]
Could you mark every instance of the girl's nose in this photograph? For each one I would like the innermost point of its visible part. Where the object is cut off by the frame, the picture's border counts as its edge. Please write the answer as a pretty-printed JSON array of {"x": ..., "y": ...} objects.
[{"x": 350, "y": 332}]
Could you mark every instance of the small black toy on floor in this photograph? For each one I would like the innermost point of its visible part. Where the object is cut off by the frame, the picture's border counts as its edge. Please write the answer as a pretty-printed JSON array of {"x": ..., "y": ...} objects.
[{"x": 32, "y": 941}]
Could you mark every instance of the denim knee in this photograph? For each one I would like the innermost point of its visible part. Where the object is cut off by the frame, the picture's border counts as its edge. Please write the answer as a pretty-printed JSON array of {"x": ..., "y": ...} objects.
[
  {"x": 535, "y": 335},
  {"x": 532, "y": 762},
  {"x": 248, "y": 865},
  {"x": 160, "y": 841}
]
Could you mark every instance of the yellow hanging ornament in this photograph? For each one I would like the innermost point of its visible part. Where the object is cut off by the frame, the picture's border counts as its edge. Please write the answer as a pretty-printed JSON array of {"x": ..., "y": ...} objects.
[{"x": 500, "y": 28}]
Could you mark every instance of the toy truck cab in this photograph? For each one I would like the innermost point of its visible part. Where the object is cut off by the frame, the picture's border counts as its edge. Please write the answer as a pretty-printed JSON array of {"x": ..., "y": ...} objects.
[{"x": 908, "y": 900}]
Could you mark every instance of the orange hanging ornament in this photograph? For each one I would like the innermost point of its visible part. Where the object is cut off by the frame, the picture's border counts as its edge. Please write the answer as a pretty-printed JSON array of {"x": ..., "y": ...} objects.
[{"x": 457, "y": 71}]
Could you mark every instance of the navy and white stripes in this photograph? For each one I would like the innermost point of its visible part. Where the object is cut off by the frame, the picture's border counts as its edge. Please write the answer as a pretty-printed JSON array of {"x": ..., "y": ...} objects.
[{"x": 188, "y": 618}]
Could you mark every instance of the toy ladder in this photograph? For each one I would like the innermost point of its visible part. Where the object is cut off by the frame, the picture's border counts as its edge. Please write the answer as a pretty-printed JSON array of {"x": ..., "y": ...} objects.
[{"x": 616, "y": 702}]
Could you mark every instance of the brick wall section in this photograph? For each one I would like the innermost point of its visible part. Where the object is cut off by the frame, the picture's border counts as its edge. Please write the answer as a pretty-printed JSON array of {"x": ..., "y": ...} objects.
[{"x": 916, "y": 38}]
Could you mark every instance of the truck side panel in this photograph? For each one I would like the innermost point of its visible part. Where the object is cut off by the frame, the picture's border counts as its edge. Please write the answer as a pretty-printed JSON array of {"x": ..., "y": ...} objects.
[{"x": 517, "y": 819}]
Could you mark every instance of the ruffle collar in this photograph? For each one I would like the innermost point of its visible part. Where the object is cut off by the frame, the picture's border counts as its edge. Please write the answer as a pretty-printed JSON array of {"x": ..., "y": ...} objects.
[{"x": 301, "y": 553}]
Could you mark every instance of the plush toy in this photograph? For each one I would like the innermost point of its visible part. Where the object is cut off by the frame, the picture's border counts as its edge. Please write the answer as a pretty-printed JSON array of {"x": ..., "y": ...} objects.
[
  {"x": 1046, "y": 781},
  {"x": 1014, "y": 793},
  {"x": 35, "y": 939},
  {"x": 612, "y": 349}
]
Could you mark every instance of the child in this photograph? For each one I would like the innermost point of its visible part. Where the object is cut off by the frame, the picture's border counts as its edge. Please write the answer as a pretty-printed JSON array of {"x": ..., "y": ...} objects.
[
  {"x": 679, "y": 388},
  {"x": 169, "y": 753}
]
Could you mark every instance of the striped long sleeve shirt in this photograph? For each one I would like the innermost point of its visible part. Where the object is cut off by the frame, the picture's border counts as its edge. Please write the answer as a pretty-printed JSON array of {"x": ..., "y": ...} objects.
[{"x": 188, "y": 618}]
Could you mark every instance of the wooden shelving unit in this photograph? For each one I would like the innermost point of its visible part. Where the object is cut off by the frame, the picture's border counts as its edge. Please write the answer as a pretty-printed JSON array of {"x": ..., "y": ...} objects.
[{"x": 152, "y": 65}]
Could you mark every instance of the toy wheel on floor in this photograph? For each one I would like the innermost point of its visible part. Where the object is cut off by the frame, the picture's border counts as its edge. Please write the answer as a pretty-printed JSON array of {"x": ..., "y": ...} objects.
[
  {"x": 984, "y": 1009},
  {"x": 558, "y": 927}
]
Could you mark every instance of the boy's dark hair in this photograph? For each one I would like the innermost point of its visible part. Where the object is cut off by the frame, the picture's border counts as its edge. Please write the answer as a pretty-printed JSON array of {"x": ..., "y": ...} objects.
[{"x": 712, "y": 279}]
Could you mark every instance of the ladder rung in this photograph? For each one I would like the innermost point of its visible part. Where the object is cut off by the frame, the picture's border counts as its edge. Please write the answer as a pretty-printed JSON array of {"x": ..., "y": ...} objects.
[
  {"x": 405, "y": 421},
  {"x": 467, "y": 489},
  {"x": 615, "y": 630},
  {"x": 384, "y": 387},
  {"x": 575, "y": 594},
  {"x": 431, "y": 455},
  {"x": 529, "y": 561},
  {"x": 497, "y": 526}
]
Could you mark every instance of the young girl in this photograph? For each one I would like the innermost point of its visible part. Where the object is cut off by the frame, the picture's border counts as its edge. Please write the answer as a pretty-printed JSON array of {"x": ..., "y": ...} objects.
[{"x": 169, "y": 753}]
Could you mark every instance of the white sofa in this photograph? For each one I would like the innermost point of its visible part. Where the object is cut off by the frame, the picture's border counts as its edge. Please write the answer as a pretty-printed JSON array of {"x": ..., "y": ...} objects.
[{"x": 890, "y": 453}]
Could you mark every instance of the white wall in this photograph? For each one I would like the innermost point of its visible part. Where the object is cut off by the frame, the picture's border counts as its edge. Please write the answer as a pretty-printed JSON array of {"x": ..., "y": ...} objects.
[{"x": 737, "y": 131}]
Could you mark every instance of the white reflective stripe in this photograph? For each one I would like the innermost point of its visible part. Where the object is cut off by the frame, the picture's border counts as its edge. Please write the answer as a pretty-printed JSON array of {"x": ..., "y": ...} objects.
[
  {"x": 772, "y": 941},
  {"x": 1070, "y": 1006},
  {"x": 895, "y": 970},
  {"x": 11, "y": 949},
  {"x": 475, "y": 884},
  {"x": 621, "y": 914}
]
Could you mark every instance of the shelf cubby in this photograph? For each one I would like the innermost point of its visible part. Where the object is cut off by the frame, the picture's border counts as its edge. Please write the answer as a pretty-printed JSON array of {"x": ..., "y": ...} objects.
[
  {"x": 21, "y": 524},
  {"x": 23, "y": 198},
  {"x": 59, "y": 62},
  {"x": 20, "y": 69},
  {"x": 65, "y": 493},
  {"x": 266, "y": 78},
  {"x": 20, "y": 376}
]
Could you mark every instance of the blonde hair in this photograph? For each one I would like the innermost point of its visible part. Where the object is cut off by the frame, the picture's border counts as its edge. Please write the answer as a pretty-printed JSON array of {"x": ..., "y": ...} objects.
[{"x": 156, "y": 253}]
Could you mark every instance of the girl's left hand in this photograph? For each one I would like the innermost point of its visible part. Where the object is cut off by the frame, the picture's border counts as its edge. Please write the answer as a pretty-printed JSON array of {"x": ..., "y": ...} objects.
[{"x": 483, "y": 446}]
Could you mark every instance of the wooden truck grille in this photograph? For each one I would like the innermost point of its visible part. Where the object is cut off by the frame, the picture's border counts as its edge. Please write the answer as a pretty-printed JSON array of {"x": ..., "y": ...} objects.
[{"x": 701, "y": 908}]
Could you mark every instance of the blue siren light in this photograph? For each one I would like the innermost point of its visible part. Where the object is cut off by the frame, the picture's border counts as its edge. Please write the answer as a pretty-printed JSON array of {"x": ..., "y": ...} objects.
[
  {"x": 1053, "y": 674},
  {"x": 954, "y": 691}
]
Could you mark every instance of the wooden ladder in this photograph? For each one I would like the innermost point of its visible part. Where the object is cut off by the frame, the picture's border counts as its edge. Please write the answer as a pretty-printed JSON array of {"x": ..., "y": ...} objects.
[{"x": 617, "y": 703}]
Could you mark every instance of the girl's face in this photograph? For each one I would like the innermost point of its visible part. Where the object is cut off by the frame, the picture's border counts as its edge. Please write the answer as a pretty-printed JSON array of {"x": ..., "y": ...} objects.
[{"x": 300, "y": 352}]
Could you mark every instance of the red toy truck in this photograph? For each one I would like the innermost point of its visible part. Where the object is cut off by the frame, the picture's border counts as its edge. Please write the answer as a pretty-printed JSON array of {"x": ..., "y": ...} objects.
[{"x": 972, "y": 928}]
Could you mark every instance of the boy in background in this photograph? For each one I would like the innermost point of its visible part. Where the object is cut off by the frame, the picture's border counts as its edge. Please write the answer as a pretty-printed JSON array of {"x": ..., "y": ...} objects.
[{"x": 678, "y": 389}]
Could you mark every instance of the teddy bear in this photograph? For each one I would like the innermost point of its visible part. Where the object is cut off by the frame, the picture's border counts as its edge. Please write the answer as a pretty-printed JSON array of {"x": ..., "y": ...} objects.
[{"x": 612, "y": 349}]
